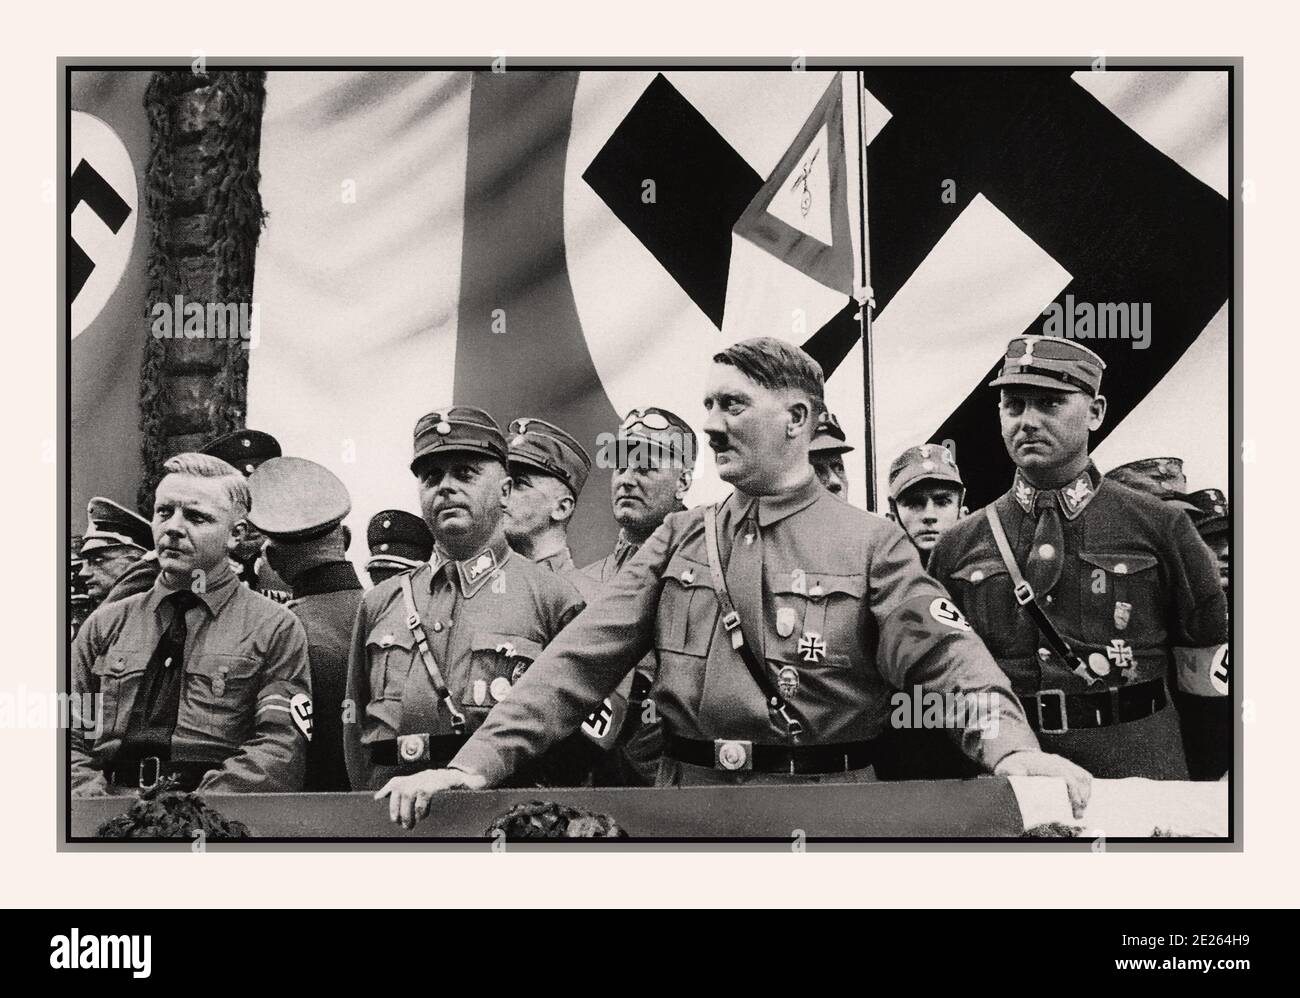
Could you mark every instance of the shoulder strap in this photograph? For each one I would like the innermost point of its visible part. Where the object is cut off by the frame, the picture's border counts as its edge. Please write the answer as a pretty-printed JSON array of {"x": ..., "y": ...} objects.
[
  {"x": 1026, "y": 598},
  {"x": 731, "y": 623},
  {"x": 426, "y": 655}
]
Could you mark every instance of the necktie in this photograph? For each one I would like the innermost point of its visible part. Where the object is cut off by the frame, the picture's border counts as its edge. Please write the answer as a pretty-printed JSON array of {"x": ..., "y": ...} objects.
[
  {"x": 153, "y": 716},
  {"x": 745, "y": 580},
  {"x": 1047, "y": 552}
]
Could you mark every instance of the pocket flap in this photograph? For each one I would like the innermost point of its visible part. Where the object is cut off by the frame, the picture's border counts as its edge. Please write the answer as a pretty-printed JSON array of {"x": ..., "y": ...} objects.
[
  {"x": 688, "y": 574},
  {"x": 509, "y": 645},
  {"x": 817, "y": 585},
  {"x": 387, "y": 636},
  {"x": 227, "y": 666},
  {"x": 1121, "y": 564},
  {"x": 119, "y": 662},
  {"x": 977, "y": 571}
]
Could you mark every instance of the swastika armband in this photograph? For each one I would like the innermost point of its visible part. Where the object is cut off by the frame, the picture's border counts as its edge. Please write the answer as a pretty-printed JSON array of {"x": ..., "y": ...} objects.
[{"x": 1203, "y": 671}]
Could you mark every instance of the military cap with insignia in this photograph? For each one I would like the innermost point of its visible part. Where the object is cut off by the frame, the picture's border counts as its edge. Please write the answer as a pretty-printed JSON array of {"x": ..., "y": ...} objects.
[
  {"x": 296, "y": 500},
  {"x": 928, "y": 462},
  {"x": 1050, "y": 362},
  {"x": 829, "y": 437},
  {"x": 112, "y": 525},
  {"x": 244, "y": 449},
  {"x": 459, "y": 428},
  {"x": 1161, "y": 477},
  {"x": 537, "y": 445},
  {"x": 398, "y": 539},
  {"x": 661, "y": 429},
  {"x": 1211, "y": 516}
]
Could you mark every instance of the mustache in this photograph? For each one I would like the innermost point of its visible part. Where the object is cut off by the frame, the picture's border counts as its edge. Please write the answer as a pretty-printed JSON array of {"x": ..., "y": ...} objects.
[{"x": 718, "y": 441}]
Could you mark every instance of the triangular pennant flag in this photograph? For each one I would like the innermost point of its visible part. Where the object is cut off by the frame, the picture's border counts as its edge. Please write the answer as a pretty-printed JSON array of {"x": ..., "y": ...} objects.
[{"x": 801, "y": 214}]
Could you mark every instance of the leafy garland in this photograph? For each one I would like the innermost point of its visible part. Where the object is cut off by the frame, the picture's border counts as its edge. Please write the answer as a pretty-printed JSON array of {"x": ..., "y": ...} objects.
[{"x": 227, "y": 194}]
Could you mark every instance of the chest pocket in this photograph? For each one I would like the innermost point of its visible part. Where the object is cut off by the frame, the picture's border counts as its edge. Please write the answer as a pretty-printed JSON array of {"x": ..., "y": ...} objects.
[
  {"x": 390, "y": 651},
  {"x": 816, "y": 618},
  {"x": 497, "y": 662},
  {"x": 688, "y": 609},
  {"x": 1121, "y": 592},
  {"x": 222, "y": 684},
  {"x": 117, "y": 675},
  {"x": 986, "y": 595}
]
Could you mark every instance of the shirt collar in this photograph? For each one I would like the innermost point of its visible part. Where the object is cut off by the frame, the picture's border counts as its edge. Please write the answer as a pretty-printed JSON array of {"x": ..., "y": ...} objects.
[
  {"x": 474, "y": 572},
  {"x": 773, "y": 509},
  {"x": 624, "y": 548},
  {"x": 215, "y": 595},
  {"x": 1072, "y": 498},
  {"x": 331, "y": 577},
  {"x": 561, "y": 561}
]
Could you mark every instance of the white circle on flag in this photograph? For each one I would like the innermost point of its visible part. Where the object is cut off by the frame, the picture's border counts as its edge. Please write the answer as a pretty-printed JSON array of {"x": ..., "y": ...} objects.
[{"x": 96, "y": 144}]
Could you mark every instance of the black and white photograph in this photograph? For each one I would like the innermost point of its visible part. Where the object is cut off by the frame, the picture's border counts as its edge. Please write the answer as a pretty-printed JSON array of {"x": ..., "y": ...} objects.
[{"x": 687, "y": 451}]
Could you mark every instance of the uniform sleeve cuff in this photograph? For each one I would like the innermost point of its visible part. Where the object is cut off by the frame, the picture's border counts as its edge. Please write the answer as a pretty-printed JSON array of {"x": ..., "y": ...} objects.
[{"x": 479, "y": 760}]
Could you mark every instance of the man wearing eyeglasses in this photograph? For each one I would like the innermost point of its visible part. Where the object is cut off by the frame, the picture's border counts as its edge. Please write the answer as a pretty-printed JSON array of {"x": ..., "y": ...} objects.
[{"x": 782, "y": 619}]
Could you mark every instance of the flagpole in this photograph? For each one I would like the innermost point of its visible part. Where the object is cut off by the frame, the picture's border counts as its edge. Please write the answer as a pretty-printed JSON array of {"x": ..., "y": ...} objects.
[{"x": 866, "y": 303}]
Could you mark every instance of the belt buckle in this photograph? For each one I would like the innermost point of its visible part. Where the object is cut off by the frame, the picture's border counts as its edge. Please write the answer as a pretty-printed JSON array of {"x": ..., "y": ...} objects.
[
  {"x": 733, "y": 754},
  {"x": 413, "y": 748},
  {"x": 1024, "y": 593},
  {"x": 157, "y": 772},
  {"x": 1042, "y": 725}
]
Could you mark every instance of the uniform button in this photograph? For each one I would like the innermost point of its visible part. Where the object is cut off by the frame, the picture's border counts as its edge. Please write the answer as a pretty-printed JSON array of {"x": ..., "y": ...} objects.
[
  {"x": 1044, "y": 654},
  {"x": 437, "y": 626},
  {"x": 977, "y": 576},
  {"x": 1046, "y": 552},
  {"x": 1121, "y": 569},
  {"x": 688, "y": 576},
  {"x": 385, "y": 641},
  {"x": 816, "y": 592},
  {"x": 387, "y": 524},
  {"x": 1049, "y": 599}
]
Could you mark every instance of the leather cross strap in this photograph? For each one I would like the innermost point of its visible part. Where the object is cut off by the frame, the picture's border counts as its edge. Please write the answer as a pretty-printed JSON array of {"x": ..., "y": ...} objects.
[
  {"x": 426, "y": 655},
  {"x": 731, "y": 623},
  {"x": 1026, "y": 598}
]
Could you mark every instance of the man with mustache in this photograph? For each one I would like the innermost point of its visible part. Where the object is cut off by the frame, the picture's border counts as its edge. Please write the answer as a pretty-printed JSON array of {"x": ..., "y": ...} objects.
[
  {"x": 1118, "y": 591},
  {"x": 435, "y": 649},
  {"x": 653, "y": 453},
  {"x": 201, "y": 679},
  {"x": 782, "y": 618}
]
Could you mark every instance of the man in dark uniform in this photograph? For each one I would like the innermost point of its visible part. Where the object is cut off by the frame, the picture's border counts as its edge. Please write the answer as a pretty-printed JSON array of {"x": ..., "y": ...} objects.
[
  {"x": 299, "y": 506},
  {"x": 246, "y": 450},
  {"x": 1162, "y": 477},
  {"x": 653, "y": 453},
  {"x": 827, "y": 455},
  {"x": 200, "y": 678},
  {"x": 790, "y": 682},
  {"x": 1119, "y": 593},
  {"x": 118, "y": 543},
  {"x": 1214, "y": 525},
  {"x": 399, "y": 541},
  {"x": 424, "y": 678},
  {"x": 926, "y": 495},
  {"x": 549, "y": 469},
  {"x": 1207, "y": 720}
]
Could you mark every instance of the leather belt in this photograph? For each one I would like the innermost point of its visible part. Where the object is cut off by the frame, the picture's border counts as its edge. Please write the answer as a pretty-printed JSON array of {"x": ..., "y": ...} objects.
[
  {"x": 419, "y": 751},
  {"x": 1054, "y": 712},
  {"x": 147, "y": 772},
  {"x": 732, "y": 754}
]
